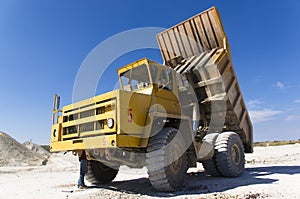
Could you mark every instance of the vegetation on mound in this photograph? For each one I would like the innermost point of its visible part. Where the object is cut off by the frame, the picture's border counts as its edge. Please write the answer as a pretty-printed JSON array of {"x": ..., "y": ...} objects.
[
  {"x": 46, "y": 147},
  {"x": 276, "y": 143}
]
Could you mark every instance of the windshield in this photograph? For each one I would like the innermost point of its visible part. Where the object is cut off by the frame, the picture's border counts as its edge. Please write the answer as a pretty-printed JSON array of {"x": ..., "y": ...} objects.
[
  {"x": 136, "y": 78},
  {"x": 162, "y": 76}
]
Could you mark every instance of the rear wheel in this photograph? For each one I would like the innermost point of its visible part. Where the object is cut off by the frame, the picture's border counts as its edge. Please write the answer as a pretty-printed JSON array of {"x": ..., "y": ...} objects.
[
  {"x": 230, "y": 157},
  {"x": 99, "y": 173},
  {"x": 210, "y": 167},
  {"x": 167, "y": 160}
]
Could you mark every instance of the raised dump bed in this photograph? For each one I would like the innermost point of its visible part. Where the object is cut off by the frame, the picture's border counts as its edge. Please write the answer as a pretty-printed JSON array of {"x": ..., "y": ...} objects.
[{"x": 198, "y": 48}]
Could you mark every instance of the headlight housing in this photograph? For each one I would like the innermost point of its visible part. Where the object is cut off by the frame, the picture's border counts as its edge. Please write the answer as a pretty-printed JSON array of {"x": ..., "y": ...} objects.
[{"x": 110, "y": 123}]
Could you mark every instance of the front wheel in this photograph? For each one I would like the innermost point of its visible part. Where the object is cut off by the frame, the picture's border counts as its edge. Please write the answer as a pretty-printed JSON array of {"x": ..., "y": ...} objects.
[
  {"x": 167, "y": 160},
  {"x": 99, "y": 173}
]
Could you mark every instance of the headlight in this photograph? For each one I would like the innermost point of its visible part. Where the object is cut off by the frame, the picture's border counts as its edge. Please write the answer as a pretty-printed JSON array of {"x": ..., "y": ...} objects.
[{"x": 110, "y": 123}]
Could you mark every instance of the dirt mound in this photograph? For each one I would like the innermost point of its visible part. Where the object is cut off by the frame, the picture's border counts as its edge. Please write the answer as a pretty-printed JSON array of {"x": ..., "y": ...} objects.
[
  {"x": 36, "y": 149},
  {"x": 12, "y": 153}
]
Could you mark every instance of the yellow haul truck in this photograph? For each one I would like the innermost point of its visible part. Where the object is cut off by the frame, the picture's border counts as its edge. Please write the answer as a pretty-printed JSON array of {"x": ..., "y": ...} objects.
[{"x": 165, "y": 117}]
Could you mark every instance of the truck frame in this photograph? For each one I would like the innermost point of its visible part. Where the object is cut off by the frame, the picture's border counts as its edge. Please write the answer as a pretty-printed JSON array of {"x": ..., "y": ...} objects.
[{"x": 166, "y": 117}]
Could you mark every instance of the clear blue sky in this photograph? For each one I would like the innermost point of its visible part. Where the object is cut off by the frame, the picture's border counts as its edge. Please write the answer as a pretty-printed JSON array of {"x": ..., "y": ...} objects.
[{"x": 43, "y": 43}]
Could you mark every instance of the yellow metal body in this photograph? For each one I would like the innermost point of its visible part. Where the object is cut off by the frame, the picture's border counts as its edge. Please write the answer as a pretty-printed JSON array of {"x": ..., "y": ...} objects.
[{"x": 84, "y": 125}]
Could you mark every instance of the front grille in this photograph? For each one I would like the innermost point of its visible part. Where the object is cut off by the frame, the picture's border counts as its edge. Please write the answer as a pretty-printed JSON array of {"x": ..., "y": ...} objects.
[{"x": 91, "y": 118}]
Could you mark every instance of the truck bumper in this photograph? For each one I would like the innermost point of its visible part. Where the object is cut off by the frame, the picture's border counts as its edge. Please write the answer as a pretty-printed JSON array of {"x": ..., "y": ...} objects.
[{"x": 97, "y": 142}]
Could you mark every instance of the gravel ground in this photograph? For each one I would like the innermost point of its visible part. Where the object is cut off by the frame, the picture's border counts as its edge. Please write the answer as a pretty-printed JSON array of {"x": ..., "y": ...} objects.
[{"x": 271, "y": 172}]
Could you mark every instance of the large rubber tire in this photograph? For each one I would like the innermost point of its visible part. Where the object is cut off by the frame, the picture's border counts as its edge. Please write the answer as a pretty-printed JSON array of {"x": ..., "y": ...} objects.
[
  {"x": 99, "y": 173},
  {"x": 210, "y": 167},
  {"x": 167, "y": 160},
  {"x": 229, "y": 155}
]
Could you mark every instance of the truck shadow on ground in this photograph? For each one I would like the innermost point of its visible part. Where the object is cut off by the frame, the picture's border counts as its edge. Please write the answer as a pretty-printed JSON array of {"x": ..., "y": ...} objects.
[{"x": 200, "y": 183}]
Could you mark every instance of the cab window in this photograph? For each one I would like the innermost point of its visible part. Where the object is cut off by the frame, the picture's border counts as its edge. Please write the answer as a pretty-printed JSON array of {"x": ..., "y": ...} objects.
[
  {"x": 135, "y": 79},
  {"x": 166, "y": 79}
]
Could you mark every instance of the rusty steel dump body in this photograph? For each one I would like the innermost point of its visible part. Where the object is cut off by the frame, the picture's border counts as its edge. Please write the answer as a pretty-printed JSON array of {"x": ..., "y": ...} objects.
[{"x": 202, "y": 43}]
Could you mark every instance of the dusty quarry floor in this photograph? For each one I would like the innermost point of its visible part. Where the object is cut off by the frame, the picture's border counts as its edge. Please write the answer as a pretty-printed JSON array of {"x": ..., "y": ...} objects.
[{"x": 271, "y": 172}]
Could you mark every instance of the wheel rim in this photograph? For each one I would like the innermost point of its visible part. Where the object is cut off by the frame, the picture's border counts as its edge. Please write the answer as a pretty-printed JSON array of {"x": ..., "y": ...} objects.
[{"x": 235, "y": 154}]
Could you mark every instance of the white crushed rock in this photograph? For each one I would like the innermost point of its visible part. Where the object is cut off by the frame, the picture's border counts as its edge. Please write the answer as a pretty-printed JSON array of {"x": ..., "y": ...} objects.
[
  {"x": 37, "y": 149},
  {"x": 12, "y": 153},
  {"x": 271, "y": 172}
]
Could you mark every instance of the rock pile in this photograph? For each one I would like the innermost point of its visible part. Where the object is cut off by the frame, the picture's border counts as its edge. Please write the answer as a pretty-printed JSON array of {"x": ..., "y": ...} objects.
[
  {"x": 36, "y": 149},
  {"x": 12, "y": 153}
]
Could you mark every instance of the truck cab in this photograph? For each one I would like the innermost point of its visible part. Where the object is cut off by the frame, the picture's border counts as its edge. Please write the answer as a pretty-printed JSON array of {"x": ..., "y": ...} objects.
[{"x": 123, "y": 118}]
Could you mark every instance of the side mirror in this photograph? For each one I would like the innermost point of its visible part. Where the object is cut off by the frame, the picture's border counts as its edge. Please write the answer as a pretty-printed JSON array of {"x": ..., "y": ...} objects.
[
  {"x": 56, "y": 103},
  {"x": 55, "y": 111}
]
